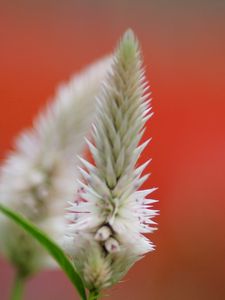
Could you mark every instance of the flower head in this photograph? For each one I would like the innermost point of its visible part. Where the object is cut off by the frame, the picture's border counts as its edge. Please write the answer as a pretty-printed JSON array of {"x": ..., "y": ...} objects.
[
  {"x": 110, "y": 215},
  {"x": 37, "y": 178}
]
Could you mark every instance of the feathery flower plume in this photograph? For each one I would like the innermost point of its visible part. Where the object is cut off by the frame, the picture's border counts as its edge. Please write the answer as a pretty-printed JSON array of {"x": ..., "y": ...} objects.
[
  {"x": 37, "y": 178},
  {"x": 110, "y": 215}
]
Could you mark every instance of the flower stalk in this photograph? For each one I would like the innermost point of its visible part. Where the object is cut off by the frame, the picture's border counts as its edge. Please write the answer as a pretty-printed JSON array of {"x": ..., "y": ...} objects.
[
  {"x": 18, "y": 287},
  {"x": 94, "y": 295}
]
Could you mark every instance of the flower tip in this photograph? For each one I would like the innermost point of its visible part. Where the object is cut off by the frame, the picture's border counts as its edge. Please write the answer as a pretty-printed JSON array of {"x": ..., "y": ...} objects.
[
  {"x": 128, "y": 45},
  {"x": 129, "y": 34}
]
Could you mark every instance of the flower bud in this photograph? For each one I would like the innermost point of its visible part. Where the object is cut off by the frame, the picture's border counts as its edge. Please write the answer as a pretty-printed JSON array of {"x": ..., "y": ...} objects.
[
  {"x": 112, "y": 246},
  {"x": 103, "y": 233}
]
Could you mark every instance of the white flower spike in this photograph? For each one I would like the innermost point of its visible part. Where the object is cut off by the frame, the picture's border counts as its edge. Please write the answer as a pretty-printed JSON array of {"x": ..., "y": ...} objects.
[
  {"x": 37, "y": 179},
  {"x": 108, "y": 220}
]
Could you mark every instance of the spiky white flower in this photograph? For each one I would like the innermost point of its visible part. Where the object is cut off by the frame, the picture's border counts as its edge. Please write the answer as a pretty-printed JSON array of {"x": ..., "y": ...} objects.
[
  {"x": 37, "y": 179},
  {"x": 108, "y": 219}
]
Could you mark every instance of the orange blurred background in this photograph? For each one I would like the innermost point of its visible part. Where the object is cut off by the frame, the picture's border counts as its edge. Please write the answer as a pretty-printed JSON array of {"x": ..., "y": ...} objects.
[{"x": 44, "y": 42}]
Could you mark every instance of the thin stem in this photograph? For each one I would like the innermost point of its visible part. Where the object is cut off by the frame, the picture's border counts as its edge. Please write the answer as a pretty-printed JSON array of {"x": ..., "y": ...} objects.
[
  {"x": 94, "y": 295},
  {"x": 18, "y": 287}
]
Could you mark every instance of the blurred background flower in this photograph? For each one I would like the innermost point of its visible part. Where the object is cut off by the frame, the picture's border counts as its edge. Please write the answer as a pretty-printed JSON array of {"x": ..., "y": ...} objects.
[
  {"x": 38, "y": 178},
  {"x": 44, "y": 42}
]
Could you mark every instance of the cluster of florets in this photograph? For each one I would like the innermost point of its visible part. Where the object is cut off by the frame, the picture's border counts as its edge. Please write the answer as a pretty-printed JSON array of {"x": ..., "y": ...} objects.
[{"x": 110, "y": 215}]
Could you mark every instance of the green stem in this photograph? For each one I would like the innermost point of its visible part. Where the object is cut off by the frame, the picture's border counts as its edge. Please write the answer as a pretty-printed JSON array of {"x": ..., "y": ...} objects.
[
  {"x": 94, "y": 295},
  {"x": 18, "y": 287}
]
